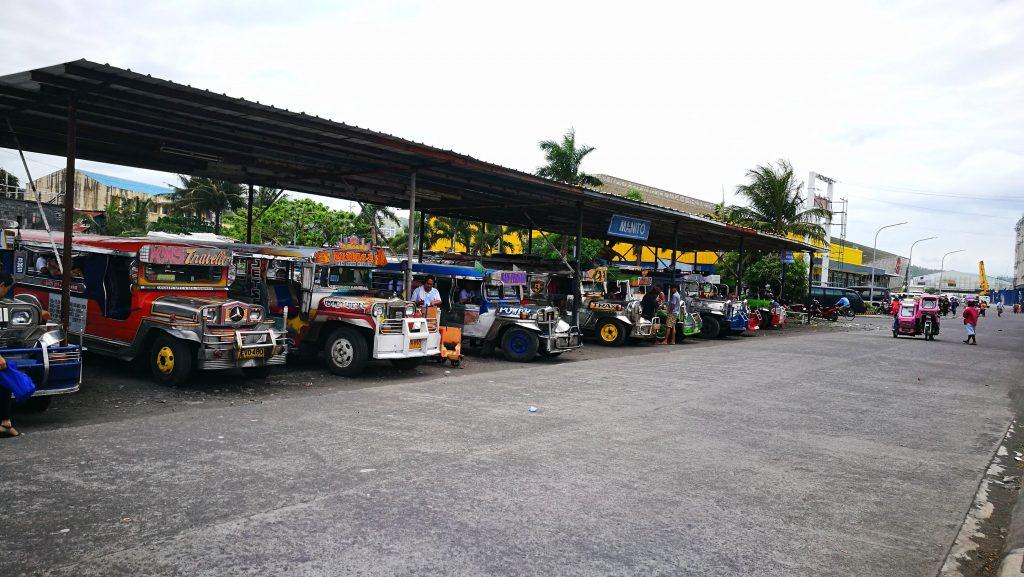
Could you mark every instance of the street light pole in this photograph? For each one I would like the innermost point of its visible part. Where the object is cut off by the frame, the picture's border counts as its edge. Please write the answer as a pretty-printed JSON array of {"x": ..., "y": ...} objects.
[
  {"x": 942, "y": 267},
  {"x": 910, "y": 259},
  {"x": 874, "y": 255}
]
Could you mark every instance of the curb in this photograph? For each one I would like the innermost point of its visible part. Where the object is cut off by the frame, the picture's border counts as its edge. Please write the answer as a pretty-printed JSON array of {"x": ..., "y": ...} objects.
[{"x": 1012, "y": 563}]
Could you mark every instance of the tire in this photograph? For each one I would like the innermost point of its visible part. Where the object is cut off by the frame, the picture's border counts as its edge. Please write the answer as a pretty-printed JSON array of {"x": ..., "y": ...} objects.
[
  {"x": 832, "y": 316},
  {"x": 35, "y": 404},
  {"x": 610, "y": 332},
  {"x": 170, "y": 360},
  {"x": 258, "y": 373},
  {"x": 345, "y": 352},
  {"x": 849, "y": 313},
  {"x": 519, "y": 345},
  {"x": 711, "y": 328},
  {"x": 407, "y": 364}
]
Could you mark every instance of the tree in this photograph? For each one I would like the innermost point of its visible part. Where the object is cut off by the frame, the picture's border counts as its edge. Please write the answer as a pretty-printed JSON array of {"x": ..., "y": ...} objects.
[
  {"x": 453, "y": 230},
  {"x": 775, "y": 204},
  {"x": 9, "y": 183},
  {"x": 563, "y": 164},
  {"x": 122, "y": 217},
  {"x": 298, "y": 221},
  {"x": 200, "y": 196},
  {"x": 180, "y": 224},
  {"x": 544, "y": 246},
  {"x": 376, "y": 216},
  {"x": 767, "y": 270}
]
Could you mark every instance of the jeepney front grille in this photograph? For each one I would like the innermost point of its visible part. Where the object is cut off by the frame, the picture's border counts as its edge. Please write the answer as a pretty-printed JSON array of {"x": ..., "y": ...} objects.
[
  {"x": 391, "y": 326},
  {"x": 72, "y": 356}
]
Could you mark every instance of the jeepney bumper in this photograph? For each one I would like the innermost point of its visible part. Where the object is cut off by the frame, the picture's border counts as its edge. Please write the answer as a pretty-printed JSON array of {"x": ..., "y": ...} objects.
[
  {"x": 561, "y": 337},
  {"x": 738, "y": 322},
  {"x": 242, "y": 349},
  {"x": 54, "y": 370},
  {"x": 407, "y": 338},
  {"x": 646, "y": 329}
]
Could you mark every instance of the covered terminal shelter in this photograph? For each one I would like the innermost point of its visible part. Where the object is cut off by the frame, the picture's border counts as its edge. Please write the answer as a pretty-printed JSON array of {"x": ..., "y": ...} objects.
[{"x": 102, "y": 113}]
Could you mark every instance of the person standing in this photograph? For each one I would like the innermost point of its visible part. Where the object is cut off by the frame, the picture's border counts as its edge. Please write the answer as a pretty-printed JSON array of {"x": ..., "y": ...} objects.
[
  {"x": 971, "y": 323},
  {"x": 954, "y": 303},
  {"x": 649, "y": 304},
  {"x": 674, "y": 303},
  {"x": 6, "y": 398},
  {"x": 426, "y": 295}
]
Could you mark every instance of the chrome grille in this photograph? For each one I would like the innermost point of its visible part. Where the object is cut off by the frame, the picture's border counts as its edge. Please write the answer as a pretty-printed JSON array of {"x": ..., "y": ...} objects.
[{"x": 391, "y": 326}]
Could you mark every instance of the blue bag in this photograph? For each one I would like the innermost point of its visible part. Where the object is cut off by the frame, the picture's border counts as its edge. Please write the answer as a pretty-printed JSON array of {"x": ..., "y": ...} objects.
[{"x": 17, "y": 382}]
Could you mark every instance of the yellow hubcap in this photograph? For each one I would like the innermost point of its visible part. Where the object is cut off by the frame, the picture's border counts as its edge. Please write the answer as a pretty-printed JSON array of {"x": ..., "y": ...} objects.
[
  {"x": 609, "y": 332},
  {"x": 165, "y": 360}
]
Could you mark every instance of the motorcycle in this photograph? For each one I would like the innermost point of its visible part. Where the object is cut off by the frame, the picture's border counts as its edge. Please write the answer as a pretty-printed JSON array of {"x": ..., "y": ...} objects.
[{"x": 828, "y": 313}]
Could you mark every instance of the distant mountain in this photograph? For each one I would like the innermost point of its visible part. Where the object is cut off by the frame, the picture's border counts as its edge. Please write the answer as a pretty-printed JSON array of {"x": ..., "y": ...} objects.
[{"x": 920, "y": 270}]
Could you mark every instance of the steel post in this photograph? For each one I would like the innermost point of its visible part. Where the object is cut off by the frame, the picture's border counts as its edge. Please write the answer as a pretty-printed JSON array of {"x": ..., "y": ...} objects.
[
  {"x": 675, "y": 245},
  {"x": 248, "y": 218},
  {"x": 422, "y": 237},
  {"x": 739, "y": 272},
  {"x": 529, "y": 242},
  {"x": 408, "y": 252},
  {"x": 577, "y": 291},
  {"x": 69, "y": 218}
]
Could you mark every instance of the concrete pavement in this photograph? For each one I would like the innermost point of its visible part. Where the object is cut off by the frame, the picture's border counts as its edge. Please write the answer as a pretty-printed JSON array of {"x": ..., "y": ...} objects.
[{"x": 828, "y": 452}]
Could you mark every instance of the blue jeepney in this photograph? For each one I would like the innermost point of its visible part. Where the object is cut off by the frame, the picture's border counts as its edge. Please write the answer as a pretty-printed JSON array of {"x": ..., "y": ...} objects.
[{"x": 490, "y": 308}]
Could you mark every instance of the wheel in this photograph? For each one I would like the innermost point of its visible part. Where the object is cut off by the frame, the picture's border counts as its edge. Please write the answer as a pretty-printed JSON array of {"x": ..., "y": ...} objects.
[
  {"x": 610, "y": 332},
  {"x": 832, "y": 316},
  {"x": 711, "y": 328},
  {"x": 849, "y": 313},
  {"x": 35, "y": 404},
  {"x": 407, "y": 364},
  {"x": 345, "y": 352},
  {"x": 259, "y": 373},
  {"x": 170, "y": 360},
  {"x": 519, "y": 345}
]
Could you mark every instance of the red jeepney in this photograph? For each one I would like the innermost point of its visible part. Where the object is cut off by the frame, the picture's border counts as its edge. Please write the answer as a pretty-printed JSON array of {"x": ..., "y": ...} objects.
[{"x": 162, "y": 302}]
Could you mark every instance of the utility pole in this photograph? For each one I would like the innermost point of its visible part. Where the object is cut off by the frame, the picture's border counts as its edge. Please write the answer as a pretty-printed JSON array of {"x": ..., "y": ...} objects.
[{"x": 874, "y": 255}]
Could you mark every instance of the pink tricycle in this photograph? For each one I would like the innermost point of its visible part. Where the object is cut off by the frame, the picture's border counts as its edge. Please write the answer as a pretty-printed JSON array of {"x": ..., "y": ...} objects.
[{"x": 918, "y": 316}]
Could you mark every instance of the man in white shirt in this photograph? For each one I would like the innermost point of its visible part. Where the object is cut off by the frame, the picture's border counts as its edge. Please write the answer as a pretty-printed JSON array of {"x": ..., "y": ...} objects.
[
  {"x": 426, "y": 295},
  {"x": 40, "y": 263}
]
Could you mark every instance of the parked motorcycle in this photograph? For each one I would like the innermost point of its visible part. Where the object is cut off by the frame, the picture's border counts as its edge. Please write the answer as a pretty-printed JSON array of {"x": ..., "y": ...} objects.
[{"x": 828, "y": 313}]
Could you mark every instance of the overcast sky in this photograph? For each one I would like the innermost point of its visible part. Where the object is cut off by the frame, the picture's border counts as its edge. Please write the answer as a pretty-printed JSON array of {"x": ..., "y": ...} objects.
[{"x": 914, "y": 107}]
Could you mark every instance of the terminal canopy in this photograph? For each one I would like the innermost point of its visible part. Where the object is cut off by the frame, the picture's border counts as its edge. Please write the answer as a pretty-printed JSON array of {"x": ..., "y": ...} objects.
[{"x": 133, "y": 119}]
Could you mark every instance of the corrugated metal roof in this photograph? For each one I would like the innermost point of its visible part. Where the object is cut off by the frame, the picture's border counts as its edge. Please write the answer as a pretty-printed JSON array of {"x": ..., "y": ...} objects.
[
  {"x": 133, "y": 119},
  {"x": 125, "y": 184}
]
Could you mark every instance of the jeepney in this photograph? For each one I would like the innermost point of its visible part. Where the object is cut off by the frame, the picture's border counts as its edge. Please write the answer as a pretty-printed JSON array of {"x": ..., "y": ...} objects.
[
  {"x": 30, "y": 339},
  {"x": 327, "y": 301},
  {"x": 162, "y": 303},
  {"x": 491, "y": 309},
  {"x": 611, "y": 307},
  {"x": 720, "y": 314}
]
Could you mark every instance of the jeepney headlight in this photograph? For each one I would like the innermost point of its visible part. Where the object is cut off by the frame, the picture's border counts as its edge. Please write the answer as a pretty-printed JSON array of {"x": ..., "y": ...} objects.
[
  {"x": 410, "y": 310},
  {"x": 377, "y": 310},
  {"x": 21, "y": 318},
  {"x": 255, "y": 314},
  {"x": 210, "y": 314}
]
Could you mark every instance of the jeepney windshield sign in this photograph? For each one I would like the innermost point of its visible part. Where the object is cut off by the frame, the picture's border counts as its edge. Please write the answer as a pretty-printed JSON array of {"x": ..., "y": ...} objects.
[
  {"x": 510, "y": 277},
  {"x": 184, "y": 255},
  {"x": 364, "y": 257}
]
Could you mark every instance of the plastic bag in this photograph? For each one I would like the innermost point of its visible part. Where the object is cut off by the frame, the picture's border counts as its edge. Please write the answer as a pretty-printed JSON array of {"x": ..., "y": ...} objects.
[{"x": 18, "y": 383}]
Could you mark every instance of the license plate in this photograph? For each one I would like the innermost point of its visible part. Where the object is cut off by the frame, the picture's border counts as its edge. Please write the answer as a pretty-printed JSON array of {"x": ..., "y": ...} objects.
[
  {"x": 255, "y": 353},
  {"x": 417, "y": 344}
]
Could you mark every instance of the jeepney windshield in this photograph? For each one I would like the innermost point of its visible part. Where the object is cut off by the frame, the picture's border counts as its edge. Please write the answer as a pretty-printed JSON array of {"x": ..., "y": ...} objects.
[
  {"x": 591, "y": 287},
  {"x": 346, "y": 280},
  {"x": 182, "y": 274}
]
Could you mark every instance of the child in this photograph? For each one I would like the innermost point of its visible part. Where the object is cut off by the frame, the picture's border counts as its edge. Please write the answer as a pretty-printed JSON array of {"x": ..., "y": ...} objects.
[{"x": 971, "y": 323}]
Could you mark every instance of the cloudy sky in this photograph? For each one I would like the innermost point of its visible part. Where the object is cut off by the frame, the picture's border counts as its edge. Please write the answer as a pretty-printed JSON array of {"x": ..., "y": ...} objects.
[{"x": 915, "y": 108}]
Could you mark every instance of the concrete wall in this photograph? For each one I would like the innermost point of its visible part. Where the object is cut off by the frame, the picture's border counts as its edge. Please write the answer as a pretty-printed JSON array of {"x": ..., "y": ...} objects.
[{"x": 26, "y": 213}]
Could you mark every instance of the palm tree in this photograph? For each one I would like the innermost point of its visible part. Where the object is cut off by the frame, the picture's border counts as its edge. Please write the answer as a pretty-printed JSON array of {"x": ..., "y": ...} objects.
[
  {"x": 775, "y": 203},
  {"x": 453, "y": 230},
  {"x": 377, "y": 216},
  {"x": 200, "y": 196},
  {"x": 563, "y": 164}
]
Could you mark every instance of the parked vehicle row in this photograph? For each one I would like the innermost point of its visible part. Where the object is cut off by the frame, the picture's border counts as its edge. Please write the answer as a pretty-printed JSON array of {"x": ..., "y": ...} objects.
[{"x": 177, "y": 306}]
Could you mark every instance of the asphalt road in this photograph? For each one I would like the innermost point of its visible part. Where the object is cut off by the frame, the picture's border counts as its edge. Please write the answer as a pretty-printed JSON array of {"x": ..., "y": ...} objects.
[{"x": 817, "y": 451}]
